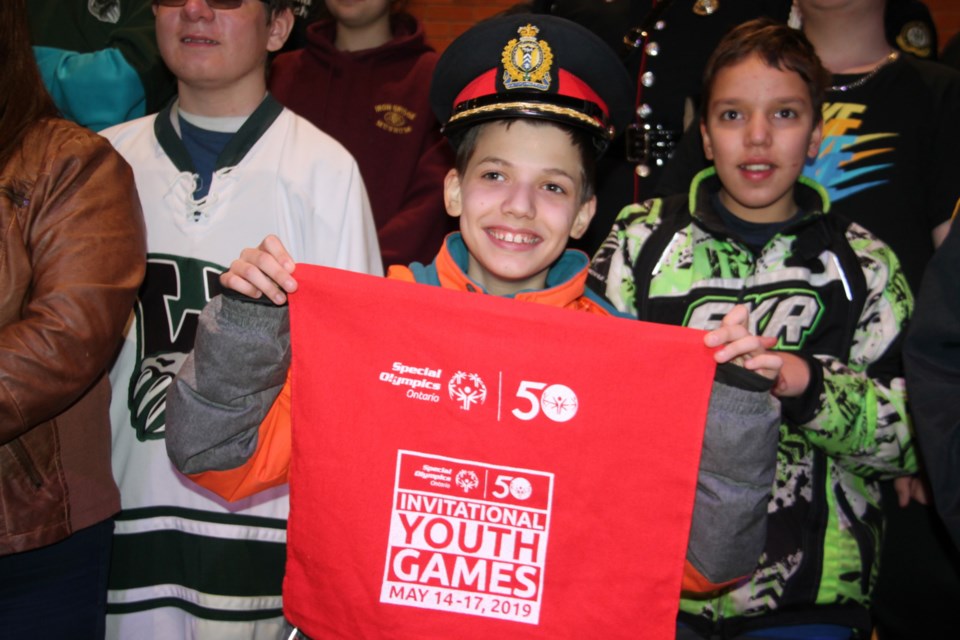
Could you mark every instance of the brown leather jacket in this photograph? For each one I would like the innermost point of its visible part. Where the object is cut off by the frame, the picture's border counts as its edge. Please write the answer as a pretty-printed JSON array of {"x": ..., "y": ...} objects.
[{"x": 72, "y": 256}]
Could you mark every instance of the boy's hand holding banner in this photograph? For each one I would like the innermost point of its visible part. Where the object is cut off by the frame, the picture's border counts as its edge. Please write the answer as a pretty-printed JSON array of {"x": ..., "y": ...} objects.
[{"x": 460, "y": 470}]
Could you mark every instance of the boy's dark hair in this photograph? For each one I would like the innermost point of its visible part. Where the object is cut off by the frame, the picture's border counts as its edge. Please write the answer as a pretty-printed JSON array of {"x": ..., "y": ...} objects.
[
  {"x": 780, "y": 47},
  {"x": 276, "y": 6},
  {"x": 466, "y": 144}
]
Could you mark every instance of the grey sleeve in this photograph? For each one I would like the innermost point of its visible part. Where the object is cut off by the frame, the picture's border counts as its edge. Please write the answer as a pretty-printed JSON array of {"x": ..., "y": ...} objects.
[
  {"x": 737, "y": 469},
  {"x": 227, "y": 384}
]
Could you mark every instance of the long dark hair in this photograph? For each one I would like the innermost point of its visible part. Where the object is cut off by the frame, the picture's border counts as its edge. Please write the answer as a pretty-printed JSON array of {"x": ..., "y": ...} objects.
[{"x": 23, "y": 98}]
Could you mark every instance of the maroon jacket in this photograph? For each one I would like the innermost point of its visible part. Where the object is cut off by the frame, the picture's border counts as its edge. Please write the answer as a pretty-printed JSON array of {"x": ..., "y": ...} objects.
[{"x": 376, "y": 104}]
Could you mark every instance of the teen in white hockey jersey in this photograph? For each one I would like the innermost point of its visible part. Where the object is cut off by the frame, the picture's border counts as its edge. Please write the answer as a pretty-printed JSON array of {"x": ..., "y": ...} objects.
[{"x": 217, "y": 170}]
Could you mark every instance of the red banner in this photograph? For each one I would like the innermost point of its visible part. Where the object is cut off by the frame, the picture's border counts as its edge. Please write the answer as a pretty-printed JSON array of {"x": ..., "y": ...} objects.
[{"x": 467, "y": 466}]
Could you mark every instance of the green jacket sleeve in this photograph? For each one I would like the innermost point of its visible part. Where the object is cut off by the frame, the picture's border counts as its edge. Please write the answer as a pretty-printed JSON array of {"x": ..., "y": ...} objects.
[{"x": 856, "y": 411}]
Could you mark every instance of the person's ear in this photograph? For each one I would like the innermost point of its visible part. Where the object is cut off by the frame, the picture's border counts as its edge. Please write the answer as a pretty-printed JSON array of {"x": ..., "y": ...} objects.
[
  {"x": 583, "y": 218},
  {"x": 451, "y": 193},
  {"x": 707, "y": 143},
  {"x": 816, "y": 137},
  {"x": 279, "y": 29}
]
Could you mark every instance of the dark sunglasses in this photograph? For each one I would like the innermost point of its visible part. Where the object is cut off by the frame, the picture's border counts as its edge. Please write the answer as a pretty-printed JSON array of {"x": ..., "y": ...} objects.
[{"x": 222, "y": 5}]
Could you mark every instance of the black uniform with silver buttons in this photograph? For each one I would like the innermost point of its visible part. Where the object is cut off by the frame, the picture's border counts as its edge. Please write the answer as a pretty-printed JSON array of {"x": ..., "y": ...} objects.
[{"x": 665, "y": 45}]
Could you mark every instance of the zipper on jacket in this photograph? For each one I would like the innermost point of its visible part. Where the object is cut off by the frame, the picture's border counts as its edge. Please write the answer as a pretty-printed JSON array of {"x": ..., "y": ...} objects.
[
  {"x": 19, "y": 200},
  {"x": 26, "y": 462}
]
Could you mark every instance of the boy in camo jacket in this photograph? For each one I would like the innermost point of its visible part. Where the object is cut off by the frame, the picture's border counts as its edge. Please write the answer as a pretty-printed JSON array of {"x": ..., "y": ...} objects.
[{"x": 833, "y": 296}]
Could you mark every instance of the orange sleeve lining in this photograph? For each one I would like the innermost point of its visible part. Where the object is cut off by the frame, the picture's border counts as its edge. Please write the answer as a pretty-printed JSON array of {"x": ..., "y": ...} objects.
[
  {"x": 695, "y": 583},
  {"x": 400, "y": 272},
  {"x": 270, "y": 462}
]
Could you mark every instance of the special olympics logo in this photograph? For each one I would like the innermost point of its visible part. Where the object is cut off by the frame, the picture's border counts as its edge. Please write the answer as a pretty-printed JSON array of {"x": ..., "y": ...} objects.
[
  {"x": 559, "y": 402},
  {"x": 467, "y": 480},
  {"x": 520, "y": 488},
  {"x": 467, "y": 389}
]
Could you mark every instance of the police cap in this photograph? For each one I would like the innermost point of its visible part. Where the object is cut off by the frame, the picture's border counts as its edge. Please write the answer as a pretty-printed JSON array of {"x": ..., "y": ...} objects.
[{"x": 531, "y": 66}]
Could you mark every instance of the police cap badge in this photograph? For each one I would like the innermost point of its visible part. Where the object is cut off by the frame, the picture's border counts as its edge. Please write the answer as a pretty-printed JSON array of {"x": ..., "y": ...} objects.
[{"x": 531, "y": 66}]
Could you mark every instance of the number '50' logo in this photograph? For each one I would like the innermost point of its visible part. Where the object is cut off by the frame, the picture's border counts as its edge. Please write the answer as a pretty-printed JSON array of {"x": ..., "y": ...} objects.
[
  {"x": 519, "y": 488},
  {"x": 558, "y": 402}
]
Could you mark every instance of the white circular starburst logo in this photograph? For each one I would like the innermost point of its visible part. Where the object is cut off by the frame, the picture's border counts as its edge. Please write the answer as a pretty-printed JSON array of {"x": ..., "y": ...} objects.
[
  {"x": 467, "y": 480},
  {"x": 559, "y": 402},
  {"x": 467, "y": 389},
  {"x": 520, "y": 488}
]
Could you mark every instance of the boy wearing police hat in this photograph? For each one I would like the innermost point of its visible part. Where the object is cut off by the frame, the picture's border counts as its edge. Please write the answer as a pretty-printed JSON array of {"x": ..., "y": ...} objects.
[{"x": 529, "y": 102}]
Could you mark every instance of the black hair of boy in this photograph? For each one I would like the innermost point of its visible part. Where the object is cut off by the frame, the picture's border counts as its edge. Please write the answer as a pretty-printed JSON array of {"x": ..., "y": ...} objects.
[
  {"x": 780, "y": 47},
  {"x": 277, "y": 6}
]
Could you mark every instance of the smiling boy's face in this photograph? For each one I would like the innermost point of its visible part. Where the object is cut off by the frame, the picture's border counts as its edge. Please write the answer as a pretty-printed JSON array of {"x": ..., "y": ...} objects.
[
  {"x": 759, "y": 130},
  {"x": 519, "y": 201}
]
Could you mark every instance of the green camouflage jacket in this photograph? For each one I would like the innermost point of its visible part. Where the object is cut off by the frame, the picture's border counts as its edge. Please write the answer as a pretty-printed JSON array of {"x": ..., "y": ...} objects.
[{"x": 834, "y": 294}]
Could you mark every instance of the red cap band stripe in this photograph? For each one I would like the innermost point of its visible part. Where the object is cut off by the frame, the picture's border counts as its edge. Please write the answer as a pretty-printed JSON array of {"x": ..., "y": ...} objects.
[
  {"x": 569, "y": 85},
  {"x": 574, "y": 87},
  {"x": 483, "y": 85}
]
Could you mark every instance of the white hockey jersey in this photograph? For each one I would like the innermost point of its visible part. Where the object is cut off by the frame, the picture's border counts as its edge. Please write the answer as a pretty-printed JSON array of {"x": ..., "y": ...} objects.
[{"x": 186, "y": 564}]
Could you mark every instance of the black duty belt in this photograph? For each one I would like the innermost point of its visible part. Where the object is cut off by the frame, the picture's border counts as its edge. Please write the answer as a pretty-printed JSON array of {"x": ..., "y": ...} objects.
[{"x": 650, "y": 145}]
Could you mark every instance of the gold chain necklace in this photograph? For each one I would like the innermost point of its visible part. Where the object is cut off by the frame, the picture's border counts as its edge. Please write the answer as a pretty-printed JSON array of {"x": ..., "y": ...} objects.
[{"x": 862, "y": 80}]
